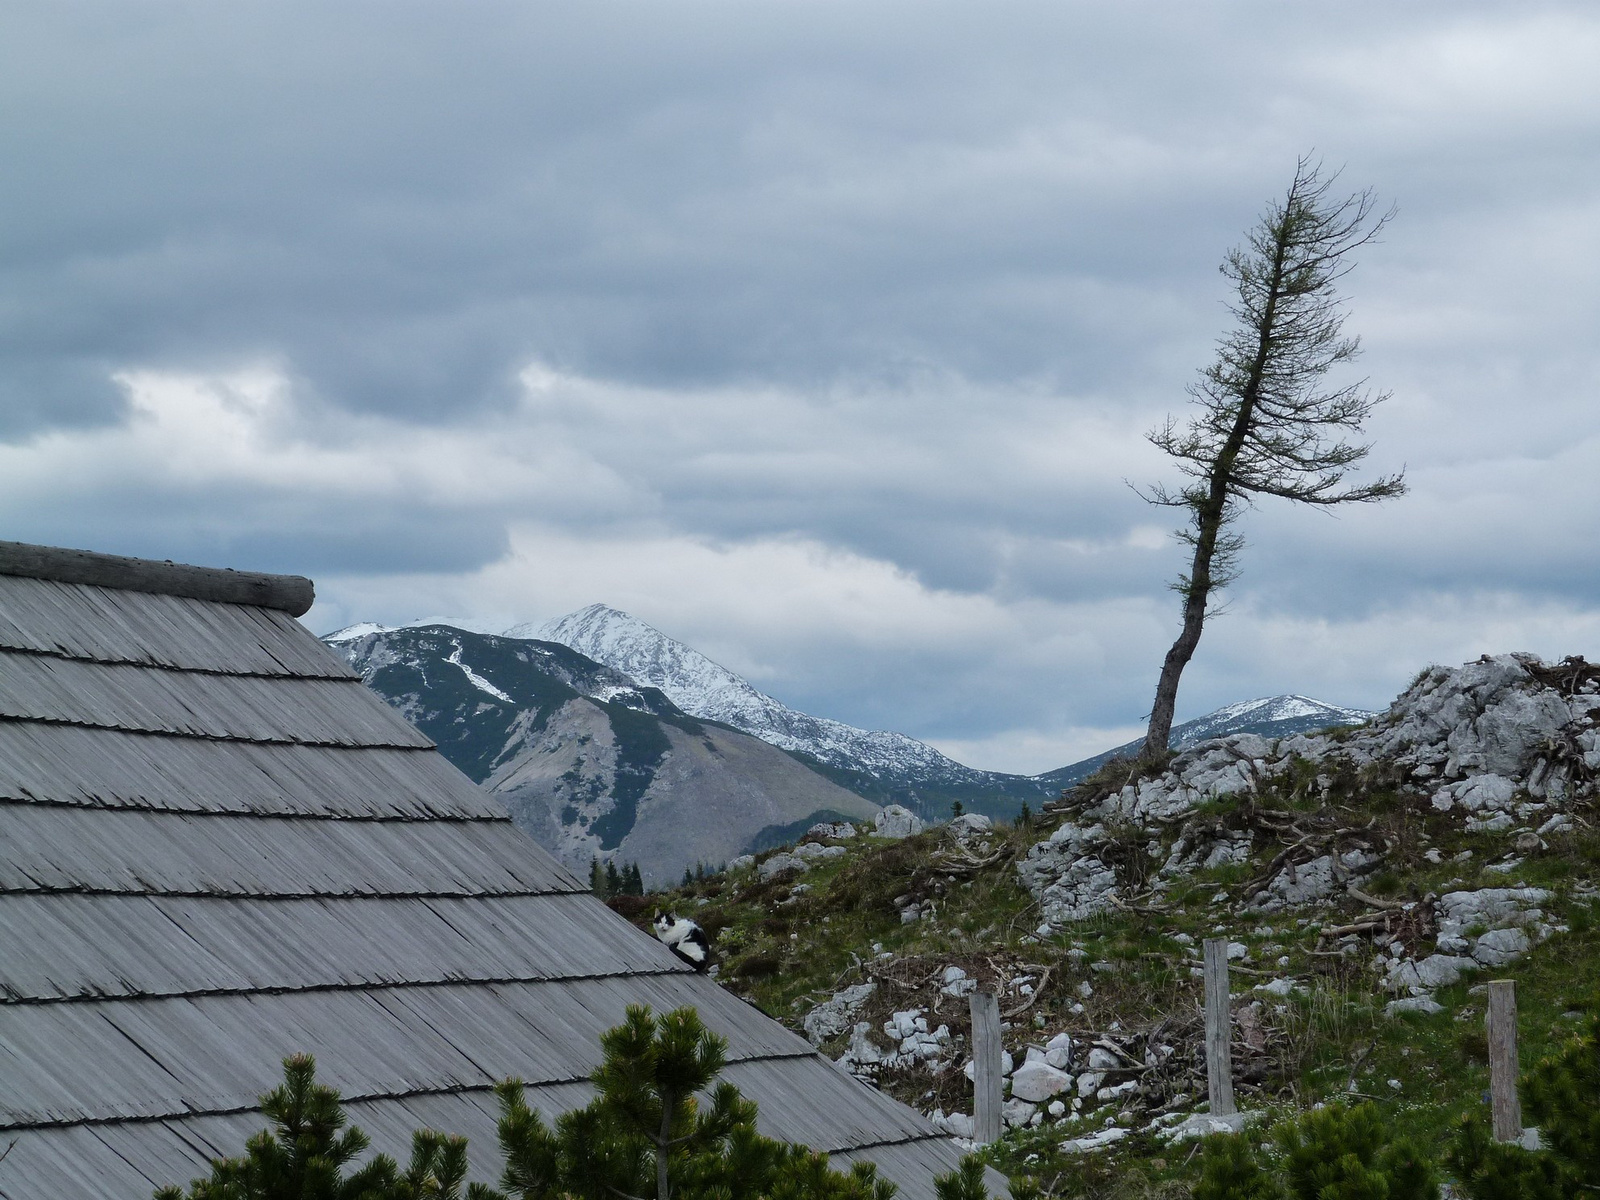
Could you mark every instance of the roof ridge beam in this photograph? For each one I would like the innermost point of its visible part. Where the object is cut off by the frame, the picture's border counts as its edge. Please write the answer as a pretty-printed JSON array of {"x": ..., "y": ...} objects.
[{"x": 293, "y": 594}]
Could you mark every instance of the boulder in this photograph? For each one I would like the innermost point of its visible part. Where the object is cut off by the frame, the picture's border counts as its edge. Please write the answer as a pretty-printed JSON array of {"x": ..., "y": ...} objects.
[
  {"x": 1039, "y": 1081},
  {"x": 895, "y": 821},
  {"x": 958, "y": 1125},
  {"x": 816, "y": 851},
  {"x": 955, "y": 982},
  {"x": 1094, "y": 1141},
  {"x": 833, "y": 1016},
  {"x": 1501, "y": 946},
  {"x": 779, "y": 863},
  {"x": 970, "y": 825},
  {"x": 970, "y": 1071},
  {"x": 1101, "y": 1059},
  {"x": 1417, "y": 1004},
  {"x": 1017, "y": 1113}
]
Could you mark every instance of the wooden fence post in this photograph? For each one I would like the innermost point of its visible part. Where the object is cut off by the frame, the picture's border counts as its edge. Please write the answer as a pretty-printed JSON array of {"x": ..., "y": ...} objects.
[
  {"x": 1503, "y": 1102},
  {"x": 1219, "y": 1028},
  {"x": 986, "y": 1073}
]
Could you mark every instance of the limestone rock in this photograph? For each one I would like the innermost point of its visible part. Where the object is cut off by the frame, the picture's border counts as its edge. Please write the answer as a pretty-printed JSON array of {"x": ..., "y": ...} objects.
[
  {"x": 815, "y": 851},
  {"x": 1017, "y": 1113},
  {"x": 895, "y": 821},
  {"x": 1039, "y": 1081},
  {"x": 780, "y": 863},
  {"x": 833, "y": 1016},
  {"x": 969, "y": 826},
  {"x": 1417, "y": 1004},
  {"x": 1501, "y": 946}
]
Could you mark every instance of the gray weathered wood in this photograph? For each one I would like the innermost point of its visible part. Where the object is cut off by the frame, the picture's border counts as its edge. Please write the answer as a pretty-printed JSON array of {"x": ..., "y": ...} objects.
[
  {"x": 1504, "y": 1105},
  {"x": 986, "y": 1073},
  {"x": 210, "y": 858},
  {"x": 291, "y": 593},
  {"x": 1219, "y": 1028}
]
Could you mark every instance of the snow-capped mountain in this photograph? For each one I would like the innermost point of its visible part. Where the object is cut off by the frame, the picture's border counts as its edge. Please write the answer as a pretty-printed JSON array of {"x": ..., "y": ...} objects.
[
  {"x": 588, "y": 762},
  {"x": 1274, "y": 716},
  {"x": 639, "y": 661},
  {"x": 878, "y": 763},
  {"x": 1271, "y": 716}
]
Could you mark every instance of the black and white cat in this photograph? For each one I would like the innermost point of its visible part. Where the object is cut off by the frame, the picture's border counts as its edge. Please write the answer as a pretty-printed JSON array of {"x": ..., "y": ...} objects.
[{"x": 686, "y": 939}]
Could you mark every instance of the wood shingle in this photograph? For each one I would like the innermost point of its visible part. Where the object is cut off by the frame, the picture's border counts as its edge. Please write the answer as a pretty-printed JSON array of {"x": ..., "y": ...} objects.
[{"x": 218, "y": 848}]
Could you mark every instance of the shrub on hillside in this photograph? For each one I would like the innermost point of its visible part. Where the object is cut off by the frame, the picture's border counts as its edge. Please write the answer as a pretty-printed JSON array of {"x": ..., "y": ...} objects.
[
  {"x": 1334, "y": 1153},
  {"x": 656, "y": 1129},
  {"x": 1562, "y": 1095}
]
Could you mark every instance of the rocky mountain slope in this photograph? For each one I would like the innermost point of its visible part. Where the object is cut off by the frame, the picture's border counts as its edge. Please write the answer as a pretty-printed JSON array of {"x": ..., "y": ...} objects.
[
  {"x": 1368, "y": 881},
  {"x": 885, "y": 766},
  {"x": 1271, "y": 717},
  {"x": 589, "y": 762},
  {"x": 890, "y": 768}
]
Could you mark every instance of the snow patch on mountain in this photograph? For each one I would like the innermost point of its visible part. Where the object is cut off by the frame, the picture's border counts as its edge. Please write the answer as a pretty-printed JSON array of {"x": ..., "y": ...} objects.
[
  {"x": 477, "y": 681},
  {"x": 1265, "y": 711},
  {"x": 360, "y": 629}
]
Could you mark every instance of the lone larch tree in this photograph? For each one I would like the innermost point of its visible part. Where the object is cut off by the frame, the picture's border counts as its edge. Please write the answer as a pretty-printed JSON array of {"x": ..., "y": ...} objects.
[{"x": 1266, "y": 422}]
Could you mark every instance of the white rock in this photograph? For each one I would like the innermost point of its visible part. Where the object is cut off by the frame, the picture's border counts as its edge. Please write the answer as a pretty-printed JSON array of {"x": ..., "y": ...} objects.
[
  {"x": 839, "y": 831},
  {"x": 863, "y": 1050},
  {"x": 895, "y": 821},
  {"x": 902, "y": 1024},
  {"x": 970, "y": 1071},
  {"x": 812, "y": 851},
  {"x": 779, "y": 863},
  {"x": 1017, "y": 1113},
  {"x": 955, "y": 1124},
  {"x": 1500, "y": 946},
  {"x": 833, "y": 1016},
  {"x": 1057, "y": 1109},
  {"x": 1416, "y": 1004},
  {"x": 1039, "y": 1081},
  {"x": 1206, "y": 1124},
  {"x": 1279, "y": 987},
  {"x": 1441, "y": 970},
  {"x": 1093, "y": 1141},
  {"x": 743, "y": 863},
  {"x": 969, "y": 825},
  {"x": 1107, "y": 1094},
  {"x": 1089, "y": 1083},
  {"x": 1101, "y": 1059}
]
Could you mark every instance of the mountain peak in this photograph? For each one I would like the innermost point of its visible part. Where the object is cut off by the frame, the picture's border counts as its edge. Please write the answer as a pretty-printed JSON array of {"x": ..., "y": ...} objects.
[{"x": 709, "y": 690}]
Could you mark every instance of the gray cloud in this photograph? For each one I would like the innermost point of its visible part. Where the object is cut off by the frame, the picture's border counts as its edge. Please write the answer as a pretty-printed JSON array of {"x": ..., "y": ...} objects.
[{"x": 875, "y": 297}]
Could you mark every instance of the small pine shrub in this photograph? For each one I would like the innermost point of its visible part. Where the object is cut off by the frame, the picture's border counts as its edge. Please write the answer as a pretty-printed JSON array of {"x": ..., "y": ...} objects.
[
  {"x": 1334, "y": 1153},
  {"x": 1232, "y": 1170},
  {"x": 1491, "y": 1170},
  {"x": 1562, "y": 1094}
]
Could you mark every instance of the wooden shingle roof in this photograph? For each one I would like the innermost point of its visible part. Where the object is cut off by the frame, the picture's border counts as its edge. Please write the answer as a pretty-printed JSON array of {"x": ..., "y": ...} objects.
[{"x": 218, "y": 848}]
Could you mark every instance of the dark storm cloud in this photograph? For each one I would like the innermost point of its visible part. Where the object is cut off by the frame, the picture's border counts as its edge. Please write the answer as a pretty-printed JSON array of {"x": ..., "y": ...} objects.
[
  {"x": 404, "y": 205},
  {"x": 828, "y": 329}
]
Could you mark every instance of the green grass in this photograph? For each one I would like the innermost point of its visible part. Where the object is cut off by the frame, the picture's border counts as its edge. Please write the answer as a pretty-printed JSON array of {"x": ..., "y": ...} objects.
[{"x": 787, "y": 944}]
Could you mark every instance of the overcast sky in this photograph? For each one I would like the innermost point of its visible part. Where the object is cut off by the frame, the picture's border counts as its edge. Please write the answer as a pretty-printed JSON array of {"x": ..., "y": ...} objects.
[{"x": 821, "y": 335}]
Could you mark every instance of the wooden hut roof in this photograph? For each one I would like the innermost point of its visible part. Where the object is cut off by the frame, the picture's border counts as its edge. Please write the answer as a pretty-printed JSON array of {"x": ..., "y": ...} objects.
[{"x": 218, "y": 848}]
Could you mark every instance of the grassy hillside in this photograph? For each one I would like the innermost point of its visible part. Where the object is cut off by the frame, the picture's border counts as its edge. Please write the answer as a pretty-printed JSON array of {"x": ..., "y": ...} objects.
[{"x": 1312, "y": 983}]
